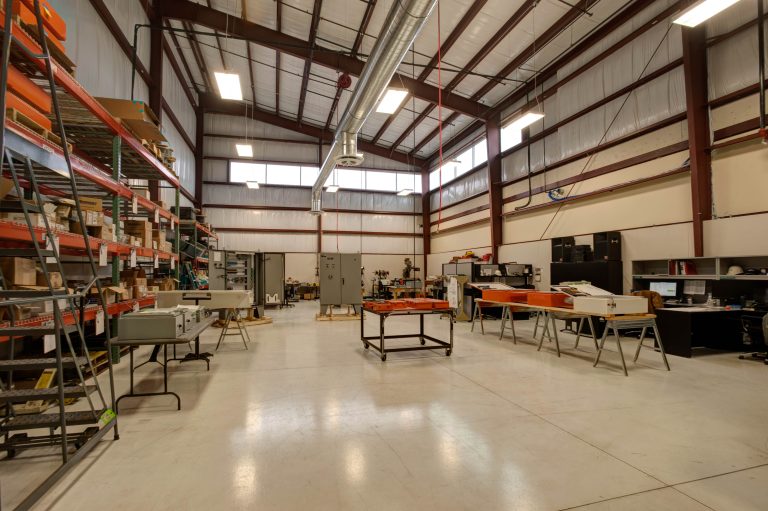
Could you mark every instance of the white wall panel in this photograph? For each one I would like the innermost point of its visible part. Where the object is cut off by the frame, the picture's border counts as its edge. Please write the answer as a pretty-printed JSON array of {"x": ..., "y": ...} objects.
[
  {"x": 462, "y": 239},
  {"x": 185, "y": 158},
  {"x": 262, "y": 151},
  {"x": 740, "y": 180},
  {"x": 371, "y": 244},
  {"x": 737, "y": 236},
  {"x": 264, "y": 196},
  {"x": 174, "y": 95},
  {"x": 260, "y": 219},
  {"x": 301, "y": 267},
  {"x": 215, "y": 170},
  {"x": 102, "y": 67},
  {"x": 464, "y": 187},
  {"x": 366, "y": 222},
  {"x": 257, "y": 242},
  {"x": 728, "y": 74}
]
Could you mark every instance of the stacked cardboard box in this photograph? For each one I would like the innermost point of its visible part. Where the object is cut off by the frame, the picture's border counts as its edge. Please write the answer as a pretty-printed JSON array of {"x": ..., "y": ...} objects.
[
  {"x": 19, "y": 271},
  {"x": 135, "y": 279},
  {"x": 141, "y": 230}
]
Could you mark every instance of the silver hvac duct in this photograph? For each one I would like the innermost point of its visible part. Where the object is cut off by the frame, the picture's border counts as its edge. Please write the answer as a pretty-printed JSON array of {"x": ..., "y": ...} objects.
[{"x": 403, "y": 23}]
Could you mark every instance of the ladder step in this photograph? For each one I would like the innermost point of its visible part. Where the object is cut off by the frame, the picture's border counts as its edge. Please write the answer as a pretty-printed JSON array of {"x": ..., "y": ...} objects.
[
  {"x": 20, "y": 396},
  {"x": 27, "y": 252},
  {"x": 39, "y": 363},
  {"x": 50, "y": 420},
  {"x": 24, "y": 331},
  {"x": 15, "y": 207},
  {"x": 35, "y": 293}
]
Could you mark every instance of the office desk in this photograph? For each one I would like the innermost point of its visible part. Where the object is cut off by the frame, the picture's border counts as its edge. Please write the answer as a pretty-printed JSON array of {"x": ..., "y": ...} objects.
[{"x": 686, "y": 328}]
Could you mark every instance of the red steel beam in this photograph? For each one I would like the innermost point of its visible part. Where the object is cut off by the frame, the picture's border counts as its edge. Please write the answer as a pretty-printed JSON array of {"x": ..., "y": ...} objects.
[
  {"x": 308, "y": 63},
  {"x": 494, "y": 41},
  {"x": 258, "y": 34},
  {"x": 695, "y": 71},
  {"x": 213, "y": 104},
  {"x": 454, "y": 36}
]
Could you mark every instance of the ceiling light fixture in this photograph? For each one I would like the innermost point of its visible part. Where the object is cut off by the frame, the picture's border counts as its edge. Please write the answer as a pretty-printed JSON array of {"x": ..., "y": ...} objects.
[
  {"x": 405, "y": 192},
  {"x": 244, "y": 150},
  {"x": 702, "y": 11},
  {"x": 253, "y": 185},
  {"x": 229, "y": 85},
  {"x": 391, "y": 101},
  {"x": 525, "y": 120},
  {"x": 332, "y": 188}
]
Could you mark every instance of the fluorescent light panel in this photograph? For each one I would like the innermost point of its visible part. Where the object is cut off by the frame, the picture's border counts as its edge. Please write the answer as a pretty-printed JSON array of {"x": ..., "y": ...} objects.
[
  {"x": 525, "y": 120},
  {"x": 244, "y": 150},
  {"x": 406, "y": 191},
  {"x": 253, "y": 185},
  {"x": 702, "y": 11},
  {"x": 332, "y": 188},
  {"x": 391, "y": 101},
  {"x": 229, "y": 85}
]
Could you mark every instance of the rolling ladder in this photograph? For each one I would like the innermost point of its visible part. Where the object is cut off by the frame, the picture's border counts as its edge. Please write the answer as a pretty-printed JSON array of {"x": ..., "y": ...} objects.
[{"x": 65, "y": 331}]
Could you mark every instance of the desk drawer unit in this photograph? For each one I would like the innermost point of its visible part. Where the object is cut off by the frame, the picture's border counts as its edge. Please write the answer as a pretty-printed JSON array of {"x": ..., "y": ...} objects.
[{"x": 607, "y": 305}]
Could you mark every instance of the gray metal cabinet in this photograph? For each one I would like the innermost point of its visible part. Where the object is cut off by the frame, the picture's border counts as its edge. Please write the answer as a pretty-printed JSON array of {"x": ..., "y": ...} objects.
[
  {"x": 273, "y": 269},
  {"x": 217, "y": 270},
  {"x": 340, "y": 279},
  {"x": 351, "y": 285}
]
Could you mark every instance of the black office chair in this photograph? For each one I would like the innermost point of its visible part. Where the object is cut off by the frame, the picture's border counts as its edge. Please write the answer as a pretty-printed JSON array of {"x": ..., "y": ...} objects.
[{"x": 749, "y": 328}]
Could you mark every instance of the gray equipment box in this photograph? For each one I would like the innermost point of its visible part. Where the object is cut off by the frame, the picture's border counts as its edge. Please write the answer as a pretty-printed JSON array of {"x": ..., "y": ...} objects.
[
  {"x": 152, "y": 324},
  {"x": 340, "y": 282}
]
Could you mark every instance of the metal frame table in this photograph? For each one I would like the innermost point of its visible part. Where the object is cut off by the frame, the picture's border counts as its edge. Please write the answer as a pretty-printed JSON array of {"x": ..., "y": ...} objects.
[
  {"x": 186, "y": 337},
  {"x": 423, "y": 338}
]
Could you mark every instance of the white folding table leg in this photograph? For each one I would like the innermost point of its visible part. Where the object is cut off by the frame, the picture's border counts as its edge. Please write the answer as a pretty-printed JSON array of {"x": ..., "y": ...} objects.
[
  {"x": 578, "y": 332},
  {"x": 621, "y": 352},
  {"x": 661, "y": 345}
]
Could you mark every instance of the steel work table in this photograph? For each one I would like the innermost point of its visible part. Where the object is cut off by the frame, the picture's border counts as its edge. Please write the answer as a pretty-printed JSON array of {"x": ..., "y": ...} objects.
[
  {"x": 191, "y": 336},
  {"x": 423, "y": 338}
]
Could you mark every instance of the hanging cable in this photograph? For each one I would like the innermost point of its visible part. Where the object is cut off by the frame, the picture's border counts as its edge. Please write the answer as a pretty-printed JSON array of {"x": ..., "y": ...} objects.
[{"x": 439, "y": 118}]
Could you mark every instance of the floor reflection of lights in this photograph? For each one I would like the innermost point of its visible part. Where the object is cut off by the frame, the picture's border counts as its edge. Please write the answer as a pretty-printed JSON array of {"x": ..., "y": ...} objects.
[
  {"x": 354, "y": 462},
  {"x": 245, "y": 479}
]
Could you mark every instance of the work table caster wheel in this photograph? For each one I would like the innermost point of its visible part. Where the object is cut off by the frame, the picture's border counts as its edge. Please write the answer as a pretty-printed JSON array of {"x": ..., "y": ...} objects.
[
  {"x": 384, "y": 358},
  {"x": 423, "y": 342},
  {"x": 448, "y": 353},
  {"x": 365, "y": 345}
]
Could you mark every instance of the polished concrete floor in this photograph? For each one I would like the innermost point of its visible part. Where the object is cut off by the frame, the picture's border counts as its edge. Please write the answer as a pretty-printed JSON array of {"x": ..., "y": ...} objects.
[{"x": 306, "y": 419}]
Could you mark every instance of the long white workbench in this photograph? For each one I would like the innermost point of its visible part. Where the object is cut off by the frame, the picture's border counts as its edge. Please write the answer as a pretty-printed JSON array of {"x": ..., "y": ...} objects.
[{"x": 615, "y": 322}]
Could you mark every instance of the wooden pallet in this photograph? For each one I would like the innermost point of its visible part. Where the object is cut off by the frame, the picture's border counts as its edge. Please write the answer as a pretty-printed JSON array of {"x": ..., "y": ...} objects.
[{"x": 24, "y": 121}]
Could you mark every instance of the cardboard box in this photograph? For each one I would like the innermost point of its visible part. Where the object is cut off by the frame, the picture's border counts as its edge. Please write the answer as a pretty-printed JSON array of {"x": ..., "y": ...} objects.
[
  {"x": 37, "y": 219},
  {"x": 111, "y": 293},
  {"x": 56, "y": 280},
  {"x": 136, "y": 115},
  {"x": 19, "y": 271},
  {"x": 141, "y": 229},
  {"x": 158, "y": 235},
  {"x": 91, "y": 204},
  {"x": 143, "y": 192},
  {"x": 153, "y": 289},
  {"x": 139, "y": 291}
]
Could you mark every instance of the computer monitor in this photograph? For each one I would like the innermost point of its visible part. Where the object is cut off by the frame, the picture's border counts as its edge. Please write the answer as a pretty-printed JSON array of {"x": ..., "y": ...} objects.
[{"x": 665, "y": 289}]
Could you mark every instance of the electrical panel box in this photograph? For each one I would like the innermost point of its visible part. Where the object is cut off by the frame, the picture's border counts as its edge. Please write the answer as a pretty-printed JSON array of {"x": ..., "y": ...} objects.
[
  {"x": 239, "y": 268},
  {"x": 273, "y": 268},
  {"x": 217, "y": 271},
  {"x": 340, "y": 282}
]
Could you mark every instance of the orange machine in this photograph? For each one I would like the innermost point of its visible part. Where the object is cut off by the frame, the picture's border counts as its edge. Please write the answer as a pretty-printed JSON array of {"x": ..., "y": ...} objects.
[
  {"x": 547, "y": 299},
  {"x": 506, "y": 295}
]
